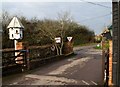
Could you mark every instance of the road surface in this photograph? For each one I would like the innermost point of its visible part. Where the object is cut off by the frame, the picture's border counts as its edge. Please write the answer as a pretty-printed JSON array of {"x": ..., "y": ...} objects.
[{"x": 85, "y": 68}]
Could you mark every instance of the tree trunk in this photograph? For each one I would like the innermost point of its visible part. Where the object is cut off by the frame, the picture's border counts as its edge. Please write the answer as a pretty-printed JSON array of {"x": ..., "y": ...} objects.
[
  {"x": 57, "y": 49},
  {"x": 61, "y": 47}
]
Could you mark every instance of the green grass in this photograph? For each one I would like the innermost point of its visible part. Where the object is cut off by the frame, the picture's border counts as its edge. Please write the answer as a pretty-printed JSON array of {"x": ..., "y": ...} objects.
[
  {"x": 96, "y": 47},
  {"x": 106, "y": 46}
]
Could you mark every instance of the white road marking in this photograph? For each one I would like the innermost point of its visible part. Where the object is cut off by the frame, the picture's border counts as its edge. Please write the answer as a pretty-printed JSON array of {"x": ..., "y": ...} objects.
[
  {"x": 94, "y": 83},
  {"x": 85, "y": 82}
]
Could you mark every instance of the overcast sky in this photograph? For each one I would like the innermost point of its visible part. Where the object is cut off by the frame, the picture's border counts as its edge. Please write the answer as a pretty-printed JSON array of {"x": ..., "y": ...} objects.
[{"x": 95, "y": 15}]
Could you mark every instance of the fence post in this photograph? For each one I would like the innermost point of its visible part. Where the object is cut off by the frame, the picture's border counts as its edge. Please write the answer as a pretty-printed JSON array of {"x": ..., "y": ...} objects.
[
  {"x": 27, "y": 57},
  {"x": 18, "y": 46},
  {"x": 25, "y": 61},
  {"x": 110, "y": 63}
]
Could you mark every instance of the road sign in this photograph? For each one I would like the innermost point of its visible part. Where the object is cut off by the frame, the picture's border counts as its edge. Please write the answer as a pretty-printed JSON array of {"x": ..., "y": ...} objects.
[
  {"x": 53, "y": 48},
  {"x": 69, "y": 38},
  {"x": 58, "y": 40},
  {"x": 15, "y": 29}
]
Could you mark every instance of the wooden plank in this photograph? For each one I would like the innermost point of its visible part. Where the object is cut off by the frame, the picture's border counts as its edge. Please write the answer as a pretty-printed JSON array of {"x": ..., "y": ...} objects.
[{"x": 110, "y": 63}]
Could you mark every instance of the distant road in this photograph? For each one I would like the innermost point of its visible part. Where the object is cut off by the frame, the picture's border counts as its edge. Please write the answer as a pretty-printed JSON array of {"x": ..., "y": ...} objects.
[{"x": 83, "y": 69}]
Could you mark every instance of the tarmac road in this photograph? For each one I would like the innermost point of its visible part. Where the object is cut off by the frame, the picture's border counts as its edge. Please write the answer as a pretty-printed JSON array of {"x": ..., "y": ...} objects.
[{"x": 85, "y": 68}]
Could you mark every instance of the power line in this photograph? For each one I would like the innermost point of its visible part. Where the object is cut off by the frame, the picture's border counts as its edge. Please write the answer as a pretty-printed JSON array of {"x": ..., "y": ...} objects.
[
  {"x": 96, "y": 17},
  {"x": 97, "y": 4}
]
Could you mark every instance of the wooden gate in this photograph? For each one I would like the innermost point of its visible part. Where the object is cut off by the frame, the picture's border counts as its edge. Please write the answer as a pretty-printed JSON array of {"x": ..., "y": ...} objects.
[{"x": 11, "y": 63}]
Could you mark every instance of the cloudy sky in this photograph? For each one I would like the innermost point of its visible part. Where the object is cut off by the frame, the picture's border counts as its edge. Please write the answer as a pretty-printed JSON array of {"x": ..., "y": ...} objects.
[{"x": 95, "y": 15}]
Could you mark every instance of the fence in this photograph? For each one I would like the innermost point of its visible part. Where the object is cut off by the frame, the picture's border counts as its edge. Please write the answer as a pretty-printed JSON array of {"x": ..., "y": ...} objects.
[
  {"x": 106, "y": 68},
  {"x": 40, "y": 55},
  {"x": 35, "y": 57},
  {"x": 9, "y": 64},
  {"x": 107, "y": 62}
]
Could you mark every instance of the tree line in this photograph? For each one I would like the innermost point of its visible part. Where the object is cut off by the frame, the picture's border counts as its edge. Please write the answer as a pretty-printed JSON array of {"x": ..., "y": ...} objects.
[{"x": 42, "y": 32}]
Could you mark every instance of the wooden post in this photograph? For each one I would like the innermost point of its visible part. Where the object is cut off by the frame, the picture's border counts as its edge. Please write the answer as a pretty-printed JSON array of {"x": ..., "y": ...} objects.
[
  {"x": 18, "y": 46},
  {"x": 24, "y": 61},
  {"x": 110, "y": 63},
  {"x": 27, "y": 56},
  {"x": 27, "y": 60}
]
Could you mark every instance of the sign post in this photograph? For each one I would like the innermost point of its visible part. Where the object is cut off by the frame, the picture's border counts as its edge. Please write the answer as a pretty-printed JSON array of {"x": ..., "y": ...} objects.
[
  {"x": 69, "y": 38},
  {"x": 58, "y": 40},
  {"x": 15, "y": 43},
  {"x": 16, "y": 33}
]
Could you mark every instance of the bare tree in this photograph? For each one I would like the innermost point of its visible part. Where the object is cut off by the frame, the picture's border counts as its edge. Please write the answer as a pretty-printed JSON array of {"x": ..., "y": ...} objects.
[
  {"x": 55, "y": 28},
  {"x": 48, "y": 28},
  {"x": 65, "y": 20}
]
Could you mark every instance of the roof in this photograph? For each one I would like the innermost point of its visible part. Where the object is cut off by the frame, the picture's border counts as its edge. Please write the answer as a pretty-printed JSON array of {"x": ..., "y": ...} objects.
[
  {"x": 15, "y": 23},
  {"x": 110, "y": 27},
  {"x": 105, "y": 30}
]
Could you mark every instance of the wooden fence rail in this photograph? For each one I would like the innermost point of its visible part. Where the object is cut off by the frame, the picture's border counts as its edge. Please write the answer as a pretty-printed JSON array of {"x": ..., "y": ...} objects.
[
  {"x": 36, "y": 54},
  {"x": 9, "y": 64},
  {"x": 33, "y": 57},
  {"x": 39, "y": 55}
]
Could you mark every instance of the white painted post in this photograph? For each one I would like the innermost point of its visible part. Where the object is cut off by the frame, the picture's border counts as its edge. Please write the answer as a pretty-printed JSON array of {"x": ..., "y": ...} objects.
[
  {"x": 15, "y": 43},
  {"x": 15, "y": 33}
]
